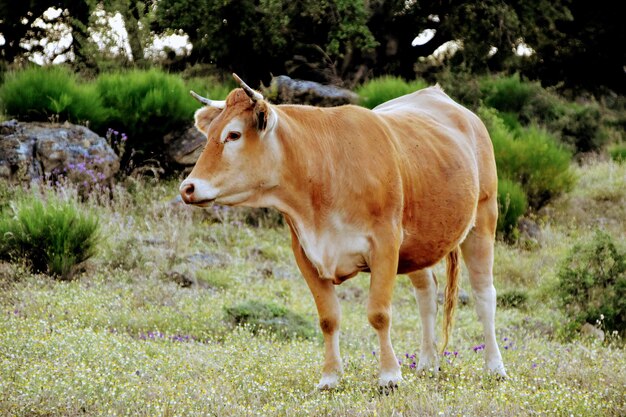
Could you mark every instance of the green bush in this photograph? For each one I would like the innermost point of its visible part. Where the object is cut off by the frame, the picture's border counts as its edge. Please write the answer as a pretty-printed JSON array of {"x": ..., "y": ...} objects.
[
  {"x": 145, "y": 105},
  {"x": 512, "y": 204},
  {"x": 530, "y": 157},
  {"x": 618, "y": 152},
  {"x": 270, "y": 317},
  {"x": 580, "y": 126},
  {"x": 380, "y": 90},
  {"x": 507, "y": 94},
  {"x": 53, "y": 236},
  {"x": 512, "y": 298},
  {"x": 592, "y": 283},
  {"x": 51, "y": 93}
]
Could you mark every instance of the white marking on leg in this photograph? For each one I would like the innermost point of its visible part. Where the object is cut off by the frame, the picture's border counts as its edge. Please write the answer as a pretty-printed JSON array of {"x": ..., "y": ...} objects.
[{"x": 486, "y": 309}]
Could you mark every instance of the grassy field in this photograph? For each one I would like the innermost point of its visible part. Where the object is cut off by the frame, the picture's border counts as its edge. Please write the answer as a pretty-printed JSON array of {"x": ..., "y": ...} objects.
[{"x": 126, "y": 338}]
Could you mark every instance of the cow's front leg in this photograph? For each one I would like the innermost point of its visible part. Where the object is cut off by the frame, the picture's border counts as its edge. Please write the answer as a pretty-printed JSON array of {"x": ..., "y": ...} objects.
[
  {"x": 383, "y": 267},
  {"x": 329, "y": 312}
]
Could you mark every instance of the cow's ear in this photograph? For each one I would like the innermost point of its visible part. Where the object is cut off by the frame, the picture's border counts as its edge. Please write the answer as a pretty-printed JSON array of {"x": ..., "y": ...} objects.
[
  {"x": 204, "y": 116},
  {"x": 265, "y": 117}
]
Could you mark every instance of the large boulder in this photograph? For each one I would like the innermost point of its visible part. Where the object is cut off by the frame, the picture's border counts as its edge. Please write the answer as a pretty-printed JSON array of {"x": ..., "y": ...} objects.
[
  {"x": 286, "y": 90},
  {"x": 33, "y": 151},
  {"x": 184, "y": 147}
]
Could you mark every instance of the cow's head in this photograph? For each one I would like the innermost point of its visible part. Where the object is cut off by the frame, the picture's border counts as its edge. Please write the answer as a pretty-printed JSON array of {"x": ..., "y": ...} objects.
[{"x": 240, "y": 160}]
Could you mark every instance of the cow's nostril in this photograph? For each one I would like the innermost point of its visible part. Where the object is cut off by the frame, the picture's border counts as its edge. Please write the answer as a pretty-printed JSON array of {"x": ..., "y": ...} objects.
[
  {"x": 189, "y": 189},
  {"x": 187, "y": 192}
]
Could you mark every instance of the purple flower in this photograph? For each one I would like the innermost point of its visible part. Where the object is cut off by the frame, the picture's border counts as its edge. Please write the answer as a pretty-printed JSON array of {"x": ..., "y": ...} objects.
[
  {"x": 413, "y": 365},
  {"x": 479, "y": 347}
]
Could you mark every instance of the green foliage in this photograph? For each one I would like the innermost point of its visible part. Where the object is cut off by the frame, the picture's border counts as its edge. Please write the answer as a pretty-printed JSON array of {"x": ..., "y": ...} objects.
[
  {"x": 507, "y": 94},
  {"x": 51, "y": 93},
  {"x": 210, "y": 87},
  {"x": 512, "y": 298},
  {"x": 270, "y": 317},
  {"x": 54, "y": 236},
  {"x": 532, "y": 158},
  {"x": 592, "y": 283},
  {"x": 145, "y": 104},
  {"x": 512, "y": 204},
  {"x": 580, "y": 126},
  {"x": 618, "y": 152},
  {"x": 382, "y": 89},
  {"x": 214, "y": 278}
]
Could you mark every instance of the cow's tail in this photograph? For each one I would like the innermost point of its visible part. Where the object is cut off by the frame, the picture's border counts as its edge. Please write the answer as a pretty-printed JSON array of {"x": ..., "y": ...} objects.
[{"x": 453, "y": 271}]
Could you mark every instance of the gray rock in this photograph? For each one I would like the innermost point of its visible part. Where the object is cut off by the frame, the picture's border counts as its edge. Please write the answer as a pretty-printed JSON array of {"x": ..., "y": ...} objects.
[
  {"x": 33, "y": 151},
  {"x": 184, "y": 147},
  {"x": 592, "y": 331},
  {"x": 287, "y": 90}
]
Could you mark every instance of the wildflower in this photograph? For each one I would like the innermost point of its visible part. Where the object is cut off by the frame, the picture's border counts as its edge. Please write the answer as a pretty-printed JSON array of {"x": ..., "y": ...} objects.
[{"x": 479, "y": 347}]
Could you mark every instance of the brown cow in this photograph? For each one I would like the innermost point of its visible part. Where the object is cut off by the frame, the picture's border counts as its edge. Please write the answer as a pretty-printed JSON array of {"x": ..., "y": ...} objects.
[{"x": 389, "y": 191}]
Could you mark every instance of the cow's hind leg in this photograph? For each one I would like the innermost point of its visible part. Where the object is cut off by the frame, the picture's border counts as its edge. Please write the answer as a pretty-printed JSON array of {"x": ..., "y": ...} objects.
[
  {"x": 329, "y": 312},
  {"x": 478, "y": 255},
  {"x": 425, "y": 285}
]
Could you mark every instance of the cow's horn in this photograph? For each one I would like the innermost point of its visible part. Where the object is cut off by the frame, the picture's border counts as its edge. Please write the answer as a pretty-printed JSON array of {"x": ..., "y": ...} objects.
[
  {"x": 254, "y": 95},
  {"x": 206, "y": 101}
]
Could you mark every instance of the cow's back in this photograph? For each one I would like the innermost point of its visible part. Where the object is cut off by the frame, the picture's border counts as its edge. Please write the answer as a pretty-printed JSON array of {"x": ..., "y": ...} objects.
[{"x": 447, "y": 166}]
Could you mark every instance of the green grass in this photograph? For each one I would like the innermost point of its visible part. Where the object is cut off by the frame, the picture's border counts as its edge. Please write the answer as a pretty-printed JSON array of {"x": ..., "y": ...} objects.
[
  {"x": 382, "y": 89},
  {"x": 124, "y": 339}
]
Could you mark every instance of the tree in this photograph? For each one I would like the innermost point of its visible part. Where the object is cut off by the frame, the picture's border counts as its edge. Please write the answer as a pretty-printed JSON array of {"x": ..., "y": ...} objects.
[
  {"x": 587, "y": 51},
  {"x": 258, "y": 37},
  {"x": 16, "y": 19}
]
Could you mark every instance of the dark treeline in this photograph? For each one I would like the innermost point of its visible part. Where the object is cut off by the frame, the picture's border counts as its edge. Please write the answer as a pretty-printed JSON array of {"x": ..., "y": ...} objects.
[{"x": 577, "y": 45}]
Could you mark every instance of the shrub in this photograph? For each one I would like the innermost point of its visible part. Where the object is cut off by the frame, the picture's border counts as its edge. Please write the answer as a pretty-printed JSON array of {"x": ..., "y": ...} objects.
[
  {"x": 581, "y": 126},
  {"x": 51, "y": 93},
  {"x": 270, "y": 317},
  {"x": 507, "y": 94},
  {"x": 380, "y": 90},
  {"x": 145, "y": 105},
  {"x": 54, "y": 236},
  {"x": 512, "y": 205},
  {"x": 531, "y": 158},
  {"x": 512, "y": 298},
  {"x": 592, "y": 283}
]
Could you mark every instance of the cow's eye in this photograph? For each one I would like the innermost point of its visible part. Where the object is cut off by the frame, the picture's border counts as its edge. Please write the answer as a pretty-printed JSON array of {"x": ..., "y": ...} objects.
[{"x": 233, "y": 136}]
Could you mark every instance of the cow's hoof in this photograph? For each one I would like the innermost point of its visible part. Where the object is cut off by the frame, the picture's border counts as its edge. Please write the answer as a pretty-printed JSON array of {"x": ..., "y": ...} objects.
[
  {"x": 497, "y": 369},
  {"x": 389, "y": 381},
  {"x": 330, "y": 381},
  {"x": 428, "y": 367}
]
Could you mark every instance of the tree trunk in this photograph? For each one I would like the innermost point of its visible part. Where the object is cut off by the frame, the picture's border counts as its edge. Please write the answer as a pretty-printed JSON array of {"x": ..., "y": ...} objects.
[{"x": 131, "y": 20}]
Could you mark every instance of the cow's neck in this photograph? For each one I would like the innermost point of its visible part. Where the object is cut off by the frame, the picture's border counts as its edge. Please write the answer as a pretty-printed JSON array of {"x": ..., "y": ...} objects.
[{"x": 305, "y": 193}]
